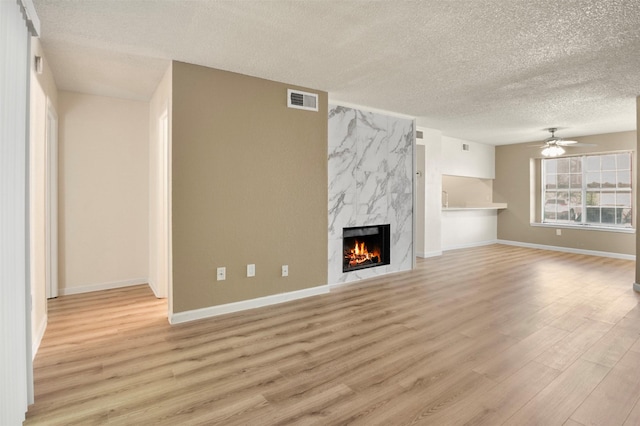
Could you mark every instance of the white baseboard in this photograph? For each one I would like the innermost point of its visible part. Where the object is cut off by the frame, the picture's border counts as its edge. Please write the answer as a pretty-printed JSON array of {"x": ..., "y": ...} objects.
[
  {"x": 470, "y": 245},
  {"x": 425, "y": 255},
  {"x": 244, "y": 305},
  {"x": 103, "y": 286},
  {"x": 152, "y": 286},
  {"x": 568, "y": 250},
  {"x": 37, "y": 339}
]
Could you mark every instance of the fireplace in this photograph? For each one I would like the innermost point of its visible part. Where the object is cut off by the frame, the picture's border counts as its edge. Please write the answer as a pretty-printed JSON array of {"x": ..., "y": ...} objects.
[{"x": 365, "y": 247}]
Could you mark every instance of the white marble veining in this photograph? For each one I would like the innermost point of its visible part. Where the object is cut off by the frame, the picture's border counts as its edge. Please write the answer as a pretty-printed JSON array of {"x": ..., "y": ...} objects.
[{"x": 370, "y": 183}]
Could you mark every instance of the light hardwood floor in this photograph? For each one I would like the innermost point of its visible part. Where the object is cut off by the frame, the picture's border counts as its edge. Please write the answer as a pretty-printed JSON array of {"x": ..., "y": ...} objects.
[{"x": 485, "y": 336}]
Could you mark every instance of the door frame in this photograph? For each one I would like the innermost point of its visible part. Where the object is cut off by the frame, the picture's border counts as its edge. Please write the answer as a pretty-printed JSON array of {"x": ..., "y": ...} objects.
[
  {"x": 51, "y": 202},
  {"x": 162, "y": 225}
]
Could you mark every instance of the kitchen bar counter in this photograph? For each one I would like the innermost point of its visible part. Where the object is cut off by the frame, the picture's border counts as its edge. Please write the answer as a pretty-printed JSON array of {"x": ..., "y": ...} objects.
[{"x": 487, "y": 206}]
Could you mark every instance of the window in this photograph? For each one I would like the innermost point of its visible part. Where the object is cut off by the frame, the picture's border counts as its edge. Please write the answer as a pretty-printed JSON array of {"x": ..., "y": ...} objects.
[{"x": 588, "y": 190}]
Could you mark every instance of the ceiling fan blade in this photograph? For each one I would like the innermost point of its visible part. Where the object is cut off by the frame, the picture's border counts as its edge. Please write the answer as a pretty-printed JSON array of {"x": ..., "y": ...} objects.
[
  {"x": 583, "y": 144},
  {"x": 565, "y": 142}
]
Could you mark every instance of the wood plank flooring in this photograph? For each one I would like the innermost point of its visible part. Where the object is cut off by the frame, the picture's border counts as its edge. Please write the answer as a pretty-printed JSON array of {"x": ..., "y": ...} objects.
[{"x": 494, "y": 335}]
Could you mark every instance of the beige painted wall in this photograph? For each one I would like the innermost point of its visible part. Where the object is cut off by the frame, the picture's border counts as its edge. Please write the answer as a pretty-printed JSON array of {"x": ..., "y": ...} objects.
[
  {"x": 249, "y": 186},
  {"x": 512, "y": 186},
  {"x": 103, "y": 194},
  {"x": 466, "y": 191},
  {"x": 158, "y": 226}
]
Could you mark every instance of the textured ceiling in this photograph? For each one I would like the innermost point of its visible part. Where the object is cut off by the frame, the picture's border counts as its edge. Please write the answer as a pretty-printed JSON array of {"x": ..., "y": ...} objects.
[{"x": 492, "y": 71}]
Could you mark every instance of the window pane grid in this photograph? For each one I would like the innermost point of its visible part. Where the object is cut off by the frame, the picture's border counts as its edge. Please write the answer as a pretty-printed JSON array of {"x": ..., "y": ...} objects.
[{"x": 598, "y": 185}]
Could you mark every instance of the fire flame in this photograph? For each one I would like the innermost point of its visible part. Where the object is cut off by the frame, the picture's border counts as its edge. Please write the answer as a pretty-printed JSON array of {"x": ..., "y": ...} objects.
[{"x": 360, "y": 254}]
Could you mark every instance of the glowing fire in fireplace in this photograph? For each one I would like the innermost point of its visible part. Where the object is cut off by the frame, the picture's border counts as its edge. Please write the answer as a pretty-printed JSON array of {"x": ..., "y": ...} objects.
[{"x": 360, "y": 255}]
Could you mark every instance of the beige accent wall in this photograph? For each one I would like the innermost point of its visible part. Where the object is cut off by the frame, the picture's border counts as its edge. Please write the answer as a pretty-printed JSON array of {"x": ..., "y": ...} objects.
[
  {"x": 512, "y": 186},
  {"x": 249, "y": 185},
  {"x": 158, "y": 222},
  {"x": 466, "y": 191},
  {"x": 103, "y": 194}
]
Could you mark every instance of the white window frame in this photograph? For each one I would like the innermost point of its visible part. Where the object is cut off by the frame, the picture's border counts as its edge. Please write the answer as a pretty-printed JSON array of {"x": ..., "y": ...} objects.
[{"x": 582, "y": 223}]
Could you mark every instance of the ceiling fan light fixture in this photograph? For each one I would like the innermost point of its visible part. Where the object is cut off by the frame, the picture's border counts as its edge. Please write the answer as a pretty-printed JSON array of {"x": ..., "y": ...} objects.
[{"x": 552, "y": 151}]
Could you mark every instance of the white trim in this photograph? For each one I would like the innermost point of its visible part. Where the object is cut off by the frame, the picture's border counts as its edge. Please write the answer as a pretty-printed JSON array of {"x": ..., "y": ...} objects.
[
  {"x": 152, "y": 286},
  {"x": 169, "y": 217},
  {"x": 163, "y": 206},
  {"x": 584, "y": 227},
  {"x": 429, "y": 254},
  {"x": 244, "y": 305},
  {"x": 414, "y": 196},
  {"x": 636, "y": 287},
  {"x": 37, "y": 339},
  {"x": 470, "y": 245},
  {"x": 569, "y": 250},
  {"x": 102, "y": 286},
  {"x": 51, "y": 201}
]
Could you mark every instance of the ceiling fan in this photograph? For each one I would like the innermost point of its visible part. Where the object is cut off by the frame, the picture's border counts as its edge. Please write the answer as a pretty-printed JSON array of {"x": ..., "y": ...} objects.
[{"x": 553, "y": 145}]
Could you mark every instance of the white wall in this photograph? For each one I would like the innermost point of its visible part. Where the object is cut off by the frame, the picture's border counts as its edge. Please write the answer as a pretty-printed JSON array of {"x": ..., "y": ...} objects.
[
  {"x": 103, "y": 193},
  {"x": 44, "y": 93},
  {"x": 37, "y": 213},
  {"x": 159, "y": 225},
  {"x": 468, "y": 228},
  {"x": 432, "y": 244},
  {"x": 447, "y": 230},
  {"x": 478, "y": 161}
]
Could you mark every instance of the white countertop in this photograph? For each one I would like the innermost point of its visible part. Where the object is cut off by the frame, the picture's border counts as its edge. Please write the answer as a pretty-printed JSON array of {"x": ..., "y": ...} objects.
[{"x": 478, "y": 206}]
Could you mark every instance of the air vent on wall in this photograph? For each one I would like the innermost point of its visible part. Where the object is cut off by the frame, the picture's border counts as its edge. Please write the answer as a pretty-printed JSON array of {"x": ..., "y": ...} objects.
[{"x": 302, "y": 100}]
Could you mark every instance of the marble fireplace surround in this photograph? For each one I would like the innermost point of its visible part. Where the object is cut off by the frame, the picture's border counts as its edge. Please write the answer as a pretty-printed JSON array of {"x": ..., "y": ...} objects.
[{"x": 370, "y": 170}]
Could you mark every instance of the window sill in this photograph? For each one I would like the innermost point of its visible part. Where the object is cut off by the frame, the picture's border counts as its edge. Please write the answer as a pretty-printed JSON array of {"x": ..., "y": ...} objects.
[{"x": 584, "y": 227}]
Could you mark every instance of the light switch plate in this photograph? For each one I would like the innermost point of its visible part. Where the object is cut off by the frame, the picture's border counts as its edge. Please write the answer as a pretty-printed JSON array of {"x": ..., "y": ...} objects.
[
  {"x": 285, "y": 270},
  {"x": 251, "y": 270}
]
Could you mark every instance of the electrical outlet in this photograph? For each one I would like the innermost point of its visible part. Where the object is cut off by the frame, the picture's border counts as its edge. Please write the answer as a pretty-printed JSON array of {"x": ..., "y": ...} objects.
[
  {"x": 558, "y": 232},
  {"x": 221, "y": 274},
  {"x": 285, "y": 270},
  {"x": 251, "y": 270}
]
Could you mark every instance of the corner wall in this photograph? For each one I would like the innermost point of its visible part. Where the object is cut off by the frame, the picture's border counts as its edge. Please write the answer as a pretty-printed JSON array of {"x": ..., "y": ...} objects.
[
  {"x": 159, "y": 191},
  {"x": 249, "y": 186},
  {"x": 370, "y": 183},
  {"x": 44, "y": 95}
]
